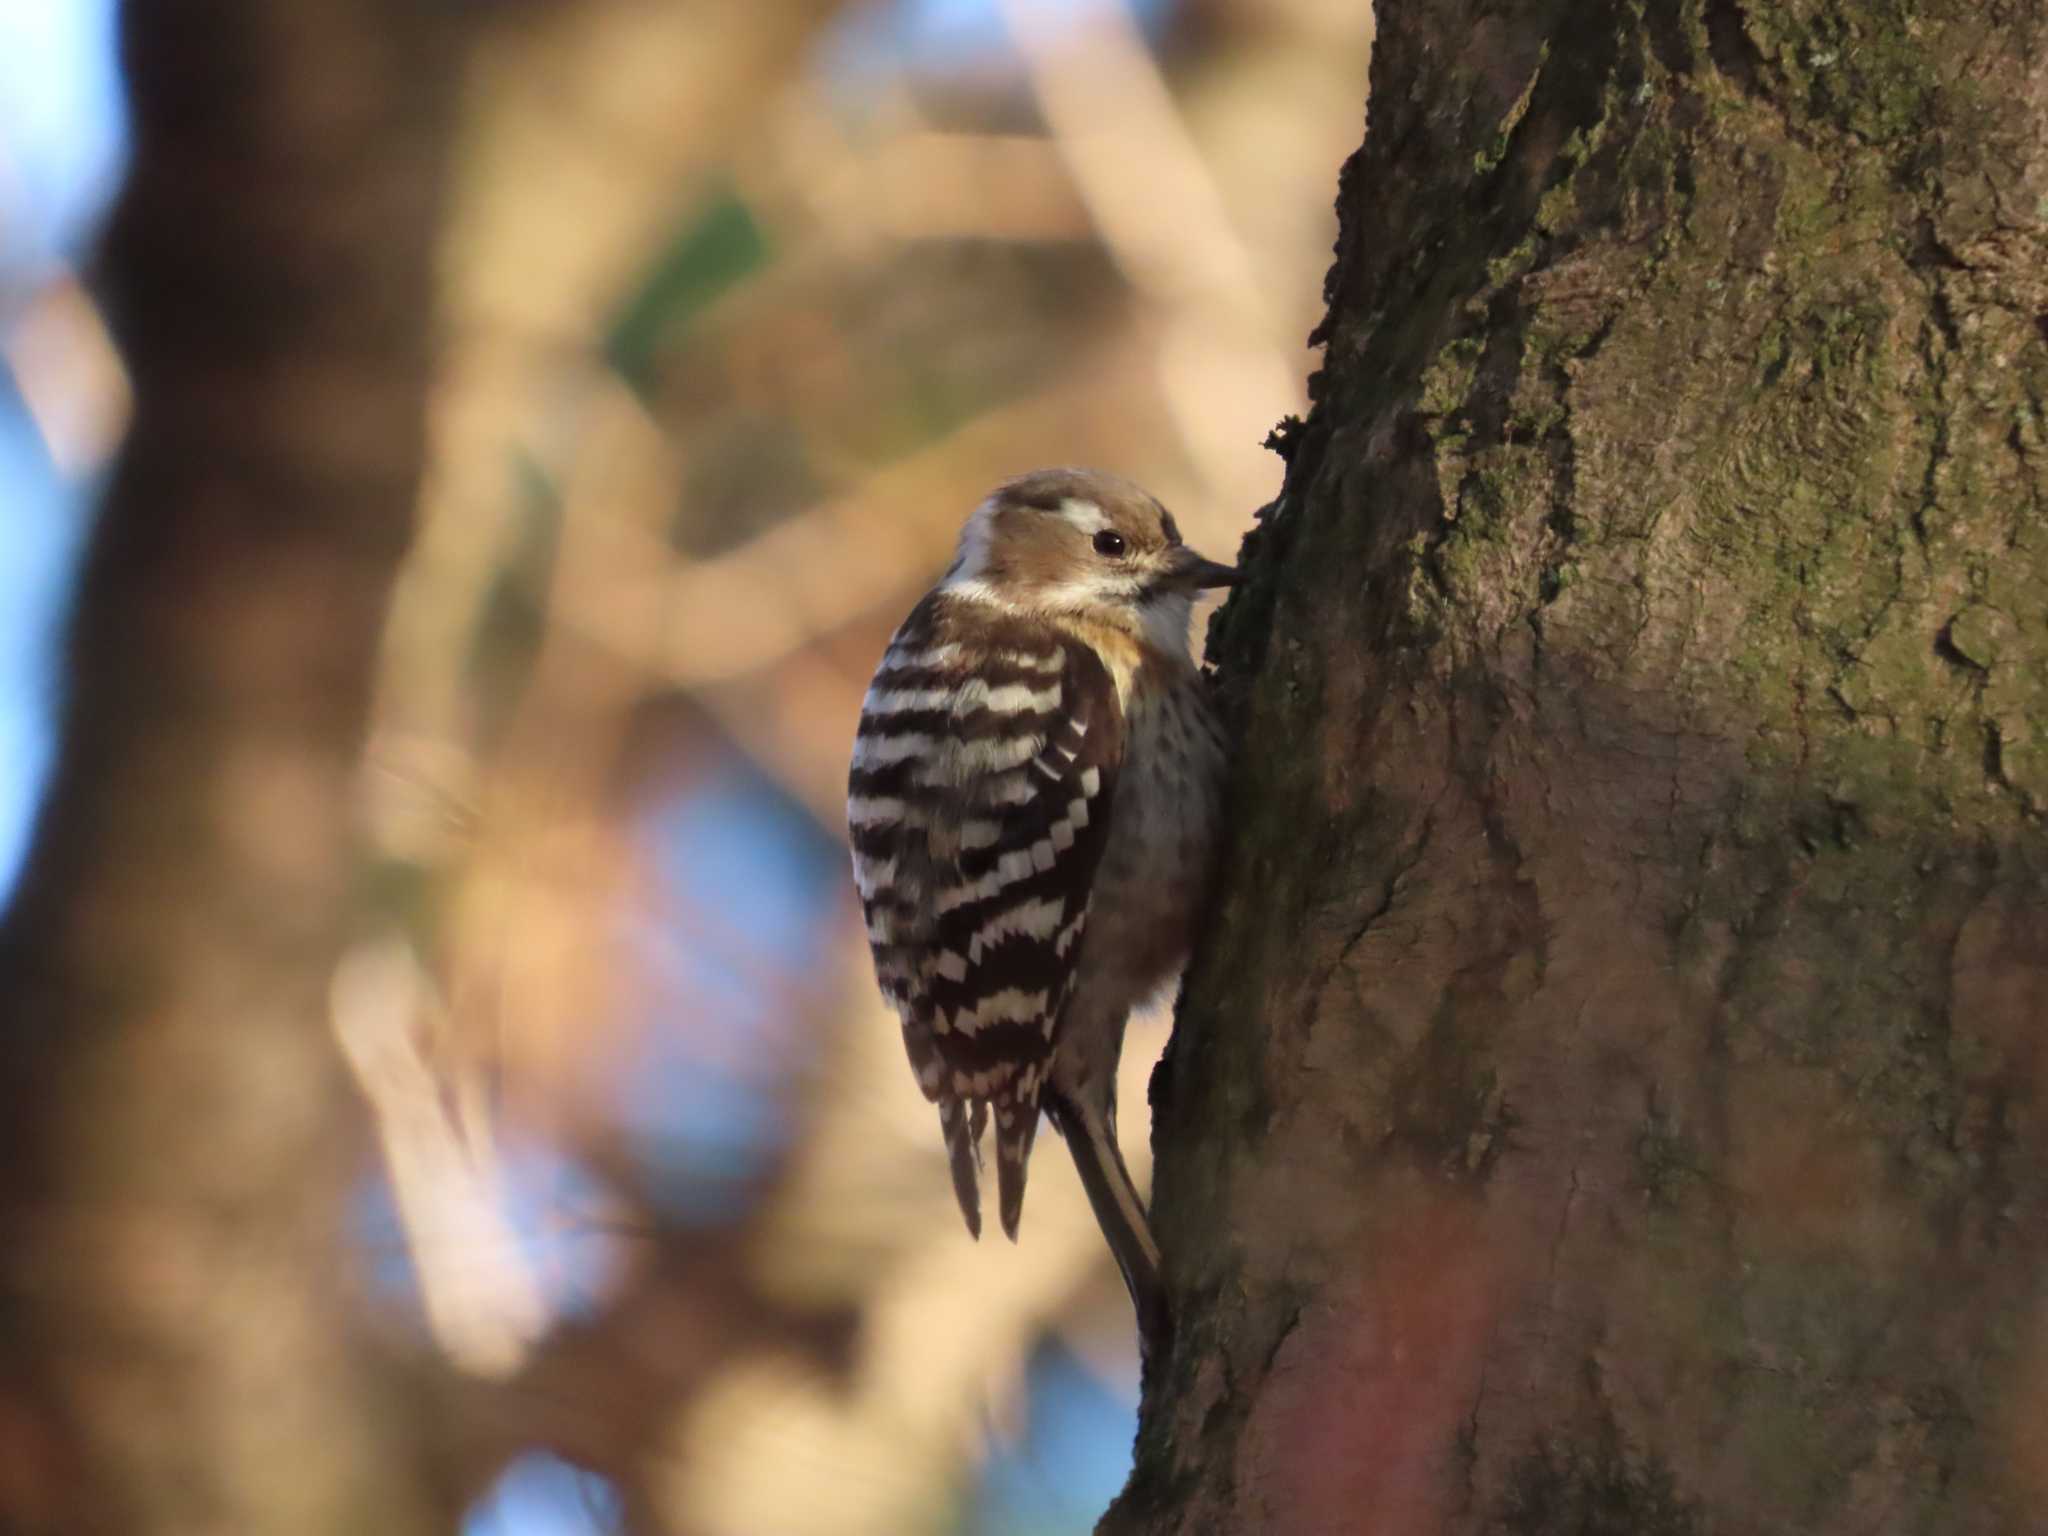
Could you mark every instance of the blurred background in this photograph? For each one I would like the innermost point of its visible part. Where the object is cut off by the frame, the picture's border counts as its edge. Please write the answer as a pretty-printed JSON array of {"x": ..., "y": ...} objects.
[{"x": 743, "y": 307}]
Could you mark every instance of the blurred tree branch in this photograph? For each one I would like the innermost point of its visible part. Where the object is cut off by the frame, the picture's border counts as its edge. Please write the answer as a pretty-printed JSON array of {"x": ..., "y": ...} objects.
[
  {"x": 177, "y": 1346},
  {"x": 177, "y": 1351}
]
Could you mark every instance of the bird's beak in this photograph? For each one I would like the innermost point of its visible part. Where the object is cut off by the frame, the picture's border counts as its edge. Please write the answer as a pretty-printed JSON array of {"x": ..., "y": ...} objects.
[{"x": 1185, "y": 571}]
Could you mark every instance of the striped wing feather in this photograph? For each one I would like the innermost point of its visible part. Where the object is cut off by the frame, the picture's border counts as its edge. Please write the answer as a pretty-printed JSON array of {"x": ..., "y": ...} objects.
[{"x": 982, "y": 780}]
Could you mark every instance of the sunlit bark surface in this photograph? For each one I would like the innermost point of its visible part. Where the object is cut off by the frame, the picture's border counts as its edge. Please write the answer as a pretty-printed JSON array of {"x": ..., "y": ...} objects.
[
  {"x": 1612, "y": 1096},
  {"x": 174, "y": 1351}
]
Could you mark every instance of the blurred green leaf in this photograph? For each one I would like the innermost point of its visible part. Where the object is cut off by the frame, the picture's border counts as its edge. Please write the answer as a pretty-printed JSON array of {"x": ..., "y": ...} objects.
[
  {"x": 720, "y": 245},
  {"x": 507, "y": 637}
]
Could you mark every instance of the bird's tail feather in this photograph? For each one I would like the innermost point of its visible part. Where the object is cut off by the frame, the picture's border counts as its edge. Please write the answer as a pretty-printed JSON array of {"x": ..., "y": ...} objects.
[
  {"x": 963, "y": 1147},
  {"x": 1016, "y": 1129}
]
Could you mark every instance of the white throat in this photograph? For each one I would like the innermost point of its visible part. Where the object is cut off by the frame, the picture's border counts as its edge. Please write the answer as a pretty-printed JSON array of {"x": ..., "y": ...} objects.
[{"x": 1165, "y": 623}]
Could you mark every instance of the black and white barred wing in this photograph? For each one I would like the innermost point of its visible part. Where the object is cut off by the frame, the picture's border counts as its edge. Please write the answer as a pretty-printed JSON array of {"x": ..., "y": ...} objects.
[{"x": 982, "y": 782}]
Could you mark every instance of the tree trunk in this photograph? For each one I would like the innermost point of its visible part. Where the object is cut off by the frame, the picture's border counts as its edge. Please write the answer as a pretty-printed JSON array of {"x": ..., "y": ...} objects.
[
  {"x": 175, "y": 1350},
  {"x": 1611, "y": 1097}
]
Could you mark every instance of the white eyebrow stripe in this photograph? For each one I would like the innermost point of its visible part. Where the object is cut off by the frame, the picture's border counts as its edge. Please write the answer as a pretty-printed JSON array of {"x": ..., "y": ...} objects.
[{"x": 1084, "y": 515}]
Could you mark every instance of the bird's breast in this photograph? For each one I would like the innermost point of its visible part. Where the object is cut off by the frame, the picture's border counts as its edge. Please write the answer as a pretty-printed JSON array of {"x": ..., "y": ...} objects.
[{"x": 1161, "y": 853}]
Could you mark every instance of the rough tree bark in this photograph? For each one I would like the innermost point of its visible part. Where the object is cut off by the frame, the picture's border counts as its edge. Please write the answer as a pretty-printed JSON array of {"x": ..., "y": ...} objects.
[
  {"x": 1612, "y": 1096},
  {"x": 175, "y": 1353}
]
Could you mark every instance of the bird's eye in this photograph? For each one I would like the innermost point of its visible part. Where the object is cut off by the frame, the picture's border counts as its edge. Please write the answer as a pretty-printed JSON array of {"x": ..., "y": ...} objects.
[{"x": 1109, "y": 542}]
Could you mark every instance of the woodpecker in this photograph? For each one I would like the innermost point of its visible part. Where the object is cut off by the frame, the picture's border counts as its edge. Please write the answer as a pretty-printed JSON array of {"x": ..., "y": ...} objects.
[{"x": 1033, "y": 805}]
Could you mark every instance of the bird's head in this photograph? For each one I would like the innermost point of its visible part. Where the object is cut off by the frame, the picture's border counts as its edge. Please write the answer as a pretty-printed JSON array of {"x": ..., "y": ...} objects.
[{"x": 1084, "y": 544}]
